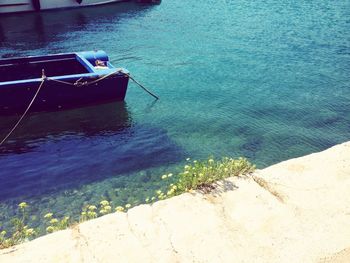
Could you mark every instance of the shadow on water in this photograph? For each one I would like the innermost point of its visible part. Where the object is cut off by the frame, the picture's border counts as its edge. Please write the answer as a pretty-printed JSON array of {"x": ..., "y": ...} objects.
[
  {"x": 42, "y": 29},
  {"x": 37, "y": 128},
  {"x": 64, "y": 150}
]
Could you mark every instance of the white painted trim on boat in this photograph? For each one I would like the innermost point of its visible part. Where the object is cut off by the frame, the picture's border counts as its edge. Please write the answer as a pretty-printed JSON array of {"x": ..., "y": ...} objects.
[{"x": 18, "y": 6}]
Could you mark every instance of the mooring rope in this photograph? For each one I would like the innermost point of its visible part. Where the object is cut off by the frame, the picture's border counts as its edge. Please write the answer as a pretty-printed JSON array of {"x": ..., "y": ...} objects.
[
  {"x": 85, "y": 83},
  {"x": 103, "y": 77},
  {"x": 25, "y": 112},
  {"x": 141, "y": 86}
]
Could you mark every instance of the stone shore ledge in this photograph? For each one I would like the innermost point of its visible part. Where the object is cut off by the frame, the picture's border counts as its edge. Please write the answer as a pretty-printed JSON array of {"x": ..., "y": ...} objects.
[{"x": 294, "y": 211}]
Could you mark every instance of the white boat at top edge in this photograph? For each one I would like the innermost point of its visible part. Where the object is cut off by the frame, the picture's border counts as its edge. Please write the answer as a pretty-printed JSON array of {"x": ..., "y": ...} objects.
[{"x": 18, "y": 6}]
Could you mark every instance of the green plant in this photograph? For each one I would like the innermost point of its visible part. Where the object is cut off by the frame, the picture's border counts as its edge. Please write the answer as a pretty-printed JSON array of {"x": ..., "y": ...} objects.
[
  {"x": 105, "y": 207},
  {"x": 202, "y": 174},
  {"x": 88, "y": 212},
  {"x": 55, "y": 224},
  {"x": 20, "y": 230}
]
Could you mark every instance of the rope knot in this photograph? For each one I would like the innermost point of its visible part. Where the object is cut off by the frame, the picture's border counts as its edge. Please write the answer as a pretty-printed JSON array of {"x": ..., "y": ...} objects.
[
  {"x": 43, "y": 76},
  {"x": 80, "y": 83}
]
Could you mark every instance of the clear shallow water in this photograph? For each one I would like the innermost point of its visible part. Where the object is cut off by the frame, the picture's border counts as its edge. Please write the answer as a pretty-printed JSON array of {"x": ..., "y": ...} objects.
[{"x": 269, "y": 81}]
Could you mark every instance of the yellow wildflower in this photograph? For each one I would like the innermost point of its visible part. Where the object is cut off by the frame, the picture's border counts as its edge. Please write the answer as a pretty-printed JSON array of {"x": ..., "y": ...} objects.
[
  {"x": 23, "y": 205},
  {"x": 127, "y": 206},
  {"x": 50, "y": 229},
  {"x": 104, "y": 203},
  {"x": 91, "y": 214},
  {"x": 29, "y": 232},
  {"x": 48, "y": 215},
  {"x": 92, "y": 207},
  {"x": 53, "y": 221},
  {"x": 119, "y": 209}
]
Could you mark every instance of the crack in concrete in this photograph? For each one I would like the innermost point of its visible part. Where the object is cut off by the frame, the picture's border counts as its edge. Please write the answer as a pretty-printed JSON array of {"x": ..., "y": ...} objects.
[
  {"x": 11, "y": 250},
  {"x": 266, "y": 186},
  {"x": 138, "y": 238},
  {"x": 227, "y": 221},
  {"x": 82, "y": 246},
  {"x": 170, "y": 239},
  {"x": 175, "y": 252}
]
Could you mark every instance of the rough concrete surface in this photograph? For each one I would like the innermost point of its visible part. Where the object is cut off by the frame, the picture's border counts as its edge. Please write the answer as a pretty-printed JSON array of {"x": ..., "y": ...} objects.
[{"x": 294, "y": 211}]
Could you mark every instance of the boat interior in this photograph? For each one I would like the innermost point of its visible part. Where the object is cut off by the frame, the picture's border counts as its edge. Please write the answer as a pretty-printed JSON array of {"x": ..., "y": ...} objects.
[{"x": 31, "y": 67}]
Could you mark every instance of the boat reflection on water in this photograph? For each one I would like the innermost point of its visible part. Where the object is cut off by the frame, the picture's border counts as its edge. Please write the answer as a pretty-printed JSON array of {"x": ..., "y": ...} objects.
[
  {"x": 102, "y": 120},
  {"x": 31, "y": 31},
  {"x": 50, "y": 152}
]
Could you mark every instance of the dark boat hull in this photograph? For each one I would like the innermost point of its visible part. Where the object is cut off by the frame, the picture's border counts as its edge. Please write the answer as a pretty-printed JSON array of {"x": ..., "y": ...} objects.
[
  {"x": 55, "y": 96},
  {"x": 61, "y": 92}
]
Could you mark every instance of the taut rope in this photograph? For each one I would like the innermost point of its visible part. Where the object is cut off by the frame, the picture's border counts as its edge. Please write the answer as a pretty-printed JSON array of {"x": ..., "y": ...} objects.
[
  {"x": 85, "y": 83},
  {"x": 25, "y": 112},
  {"x": 141, "y": 86}
]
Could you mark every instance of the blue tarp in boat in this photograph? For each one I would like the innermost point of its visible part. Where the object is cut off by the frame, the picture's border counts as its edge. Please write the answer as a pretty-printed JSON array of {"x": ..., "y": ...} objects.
[{"x": 71, "y": 80}]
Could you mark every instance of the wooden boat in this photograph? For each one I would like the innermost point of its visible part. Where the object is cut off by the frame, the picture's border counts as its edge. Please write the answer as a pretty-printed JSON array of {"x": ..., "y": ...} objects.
[
  {"x": 65, "y": 81},
  {"x": 17, "y": 6}
]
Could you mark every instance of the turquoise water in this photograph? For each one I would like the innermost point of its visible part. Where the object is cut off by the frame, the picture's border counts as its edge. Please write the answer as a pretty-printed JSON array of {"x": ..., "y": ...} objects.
[{"x": 266, "y": 80}]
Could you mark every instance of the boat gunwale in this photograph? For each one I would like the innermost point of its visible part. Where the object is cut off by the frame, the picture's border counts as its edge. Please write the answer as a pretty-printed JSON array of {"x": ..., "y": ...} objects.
[
  {"x": 92, "y": 75},
  {"x": 34, "y": 58}
]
